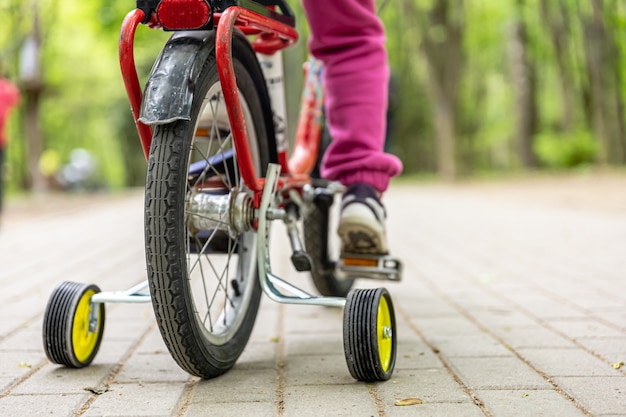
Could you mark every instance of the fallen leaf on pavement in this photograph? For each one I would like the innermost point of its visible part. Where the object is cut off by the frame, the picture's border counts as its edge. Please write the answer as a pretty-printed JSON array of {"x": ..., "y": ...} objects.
[
  {"x": 97, "y": 391},
  {"x": 409, "y": 401},
  {"x": 618, "y": 365}
]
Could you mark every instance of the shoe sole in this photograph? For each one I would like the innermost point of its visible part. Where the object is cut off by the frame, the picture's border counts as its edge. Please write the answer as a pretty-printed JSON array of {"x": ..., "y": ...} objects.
[{"x": 361, "y": 238}]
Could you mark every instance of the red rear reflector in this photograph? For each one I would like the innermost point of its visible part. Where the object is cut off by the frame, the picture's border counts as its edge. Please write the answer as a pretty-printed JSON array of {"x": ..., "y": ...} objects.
[{"x": 183, "y": 14}]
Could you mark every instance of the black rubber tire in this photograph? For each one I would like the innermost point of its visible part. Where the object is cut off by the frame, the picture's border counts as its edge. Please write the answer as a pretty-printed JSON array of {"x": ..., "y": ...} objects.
[
  {"x": 362, "y": 335},
  {"x": 203, "y": 349},
  {"x": 318, "y": 241},
  {"x": 59, "y": 324}
]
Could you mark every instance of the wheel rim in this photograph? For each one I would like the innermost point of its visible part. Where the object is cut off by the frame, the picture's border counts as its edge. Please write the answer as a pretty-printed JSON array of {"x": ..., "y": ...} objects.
[
  {"x": 220, "y": 281},
  {"x": 84, "y": 341},
  {"x": 385, "y": 334}
]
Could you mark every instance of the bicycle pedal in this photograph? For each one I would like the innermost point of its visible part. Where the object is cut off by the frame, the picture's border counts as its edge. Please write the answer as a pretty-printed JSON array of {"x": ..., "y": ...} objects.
[
  {"x": 383, "y": 267},
  {"x": 301, "y": 261}
]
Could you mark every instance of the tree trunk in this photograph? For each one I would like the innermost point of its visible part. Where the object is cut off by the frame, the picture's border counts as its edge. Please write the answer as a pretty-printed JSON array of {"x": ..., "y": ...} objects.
[
  {"x": 606, "y": 104},
  {"x": 523, "y": 80},
  {"x": 557, "y": 22},
  {"x": 30, "y": 74},
  {"x": 442, "y": 29},
  {"x": 36, "y": 181}
]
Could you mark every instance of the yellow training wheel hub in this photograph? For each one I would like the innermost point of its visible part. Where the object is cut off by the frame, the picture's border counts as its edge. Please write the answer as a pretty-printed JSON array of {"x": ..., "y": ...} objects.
[
  {"x": 83, "y": 341},
  {"x": 385, "y": 334}
]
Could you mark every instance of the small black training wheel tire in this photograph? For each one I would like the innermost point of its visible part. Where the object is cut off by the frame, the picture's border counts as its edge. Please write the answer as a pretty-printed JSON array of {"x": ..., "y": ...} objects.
[
  {"x": 67, "y": 339},
  {"x": 369, "y": 334}
]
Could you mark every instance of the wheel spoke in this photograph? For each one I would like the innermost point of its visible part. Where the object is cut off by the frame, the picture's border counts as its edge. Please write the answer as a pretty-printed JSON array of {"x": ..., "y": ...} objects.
[
  {"x": 227, "y": 140},
  {"x": 206, "y": 298},
  {"x": 198, "y": 264},
  {"x": 210, "y": 167},
  {"x": 220, "y": 277},
  {"x": 222, "y": 143},
  {"x": 214, "y": 135}
]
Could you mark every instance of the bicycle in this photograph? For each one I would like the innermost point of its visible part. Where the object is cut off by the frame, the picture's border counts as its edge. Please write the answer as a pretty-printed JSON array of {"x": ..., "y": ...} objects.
[{"x": 210, "y": 122}]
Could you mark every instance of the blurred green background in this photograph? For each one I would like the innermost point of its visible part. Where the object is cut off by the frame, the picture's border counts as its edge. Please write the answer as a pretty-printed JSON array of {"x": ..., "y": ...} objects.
[{"x": 479, "y": 86}]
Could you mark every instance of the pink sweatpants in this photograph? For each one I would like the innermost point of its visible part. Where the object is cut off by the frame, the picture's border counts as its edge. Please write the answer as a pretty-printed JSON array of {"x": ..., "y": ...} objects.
[{"x": 348, "y": 37}]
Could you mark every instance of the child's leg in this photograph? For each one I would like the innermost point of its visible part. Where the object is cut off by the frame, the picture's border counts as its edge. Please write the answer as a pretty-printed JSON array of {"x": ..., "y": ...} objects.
[{"x": 348, "y": 37}]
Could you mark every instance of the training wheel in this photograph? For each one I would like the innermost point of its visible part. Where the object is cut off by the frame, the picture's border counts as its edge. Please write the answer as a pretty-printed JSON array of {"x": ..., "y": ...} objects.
[
  {"x": 369, "y": 334},
  {"x": 67, "y": 337}
]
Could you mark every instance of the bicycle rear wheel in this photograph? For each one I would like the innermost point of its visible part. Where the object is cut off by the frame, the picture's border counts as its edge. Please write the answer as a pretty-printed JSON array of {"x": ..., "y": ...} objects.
[{"x": 202, "y": 264}]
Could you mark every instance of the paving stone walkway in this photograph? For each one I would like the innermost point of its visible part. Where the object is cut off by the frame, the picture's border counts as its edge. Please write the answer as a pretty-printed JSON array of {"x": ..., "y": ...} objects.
[{"x": 513, "y": 303}]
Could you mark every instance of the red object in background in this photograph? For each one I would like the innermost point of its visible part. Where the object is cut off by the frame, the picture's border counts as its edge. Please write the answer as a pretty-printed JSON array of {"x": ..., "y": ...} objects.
[{"x": 9, "y": 98}]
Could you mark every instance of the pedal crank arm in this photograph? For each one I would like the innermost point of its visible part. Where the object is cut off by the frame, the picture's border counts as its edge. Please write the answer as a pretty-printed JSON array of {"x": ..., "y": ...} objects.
[{"x": 299, "y": 258}]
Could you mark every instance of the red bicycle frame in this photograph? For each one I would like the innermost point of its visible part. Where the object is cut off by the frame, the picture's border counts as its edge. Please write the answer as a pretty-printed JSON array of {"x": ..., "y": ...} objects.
[{"x": 271, "y": 36}]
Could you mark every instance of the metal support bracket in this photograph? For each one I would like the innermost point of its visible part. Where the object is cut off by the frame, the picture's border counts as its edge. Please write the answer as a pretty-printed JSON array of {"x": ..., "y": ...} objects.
[
  {"x": 137, "y": 294},
  {"x": 269, "y": 282}
]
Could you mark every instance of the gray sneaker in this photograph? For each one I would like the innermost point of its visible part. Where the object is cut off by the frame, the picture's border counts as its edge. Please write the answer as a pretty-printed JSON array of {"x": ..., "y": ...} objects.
[{"x": 362, "y": 221}]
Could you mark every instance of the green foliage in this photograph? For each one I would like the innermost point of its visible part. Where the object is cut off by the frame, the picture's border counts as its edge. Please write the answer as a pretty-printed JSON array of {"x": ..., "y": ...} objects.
[
  {"x": 84, "y": 103},
  {"x": 566, "y": 150}
]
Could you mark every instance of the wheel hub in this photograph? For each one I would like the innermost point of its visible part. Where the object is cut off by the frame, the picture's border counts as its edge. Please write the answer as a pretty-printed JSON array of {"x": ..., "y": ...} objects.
[
  {"x": 387, "y": 332},
  {"x": 232, "y": 212}
]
